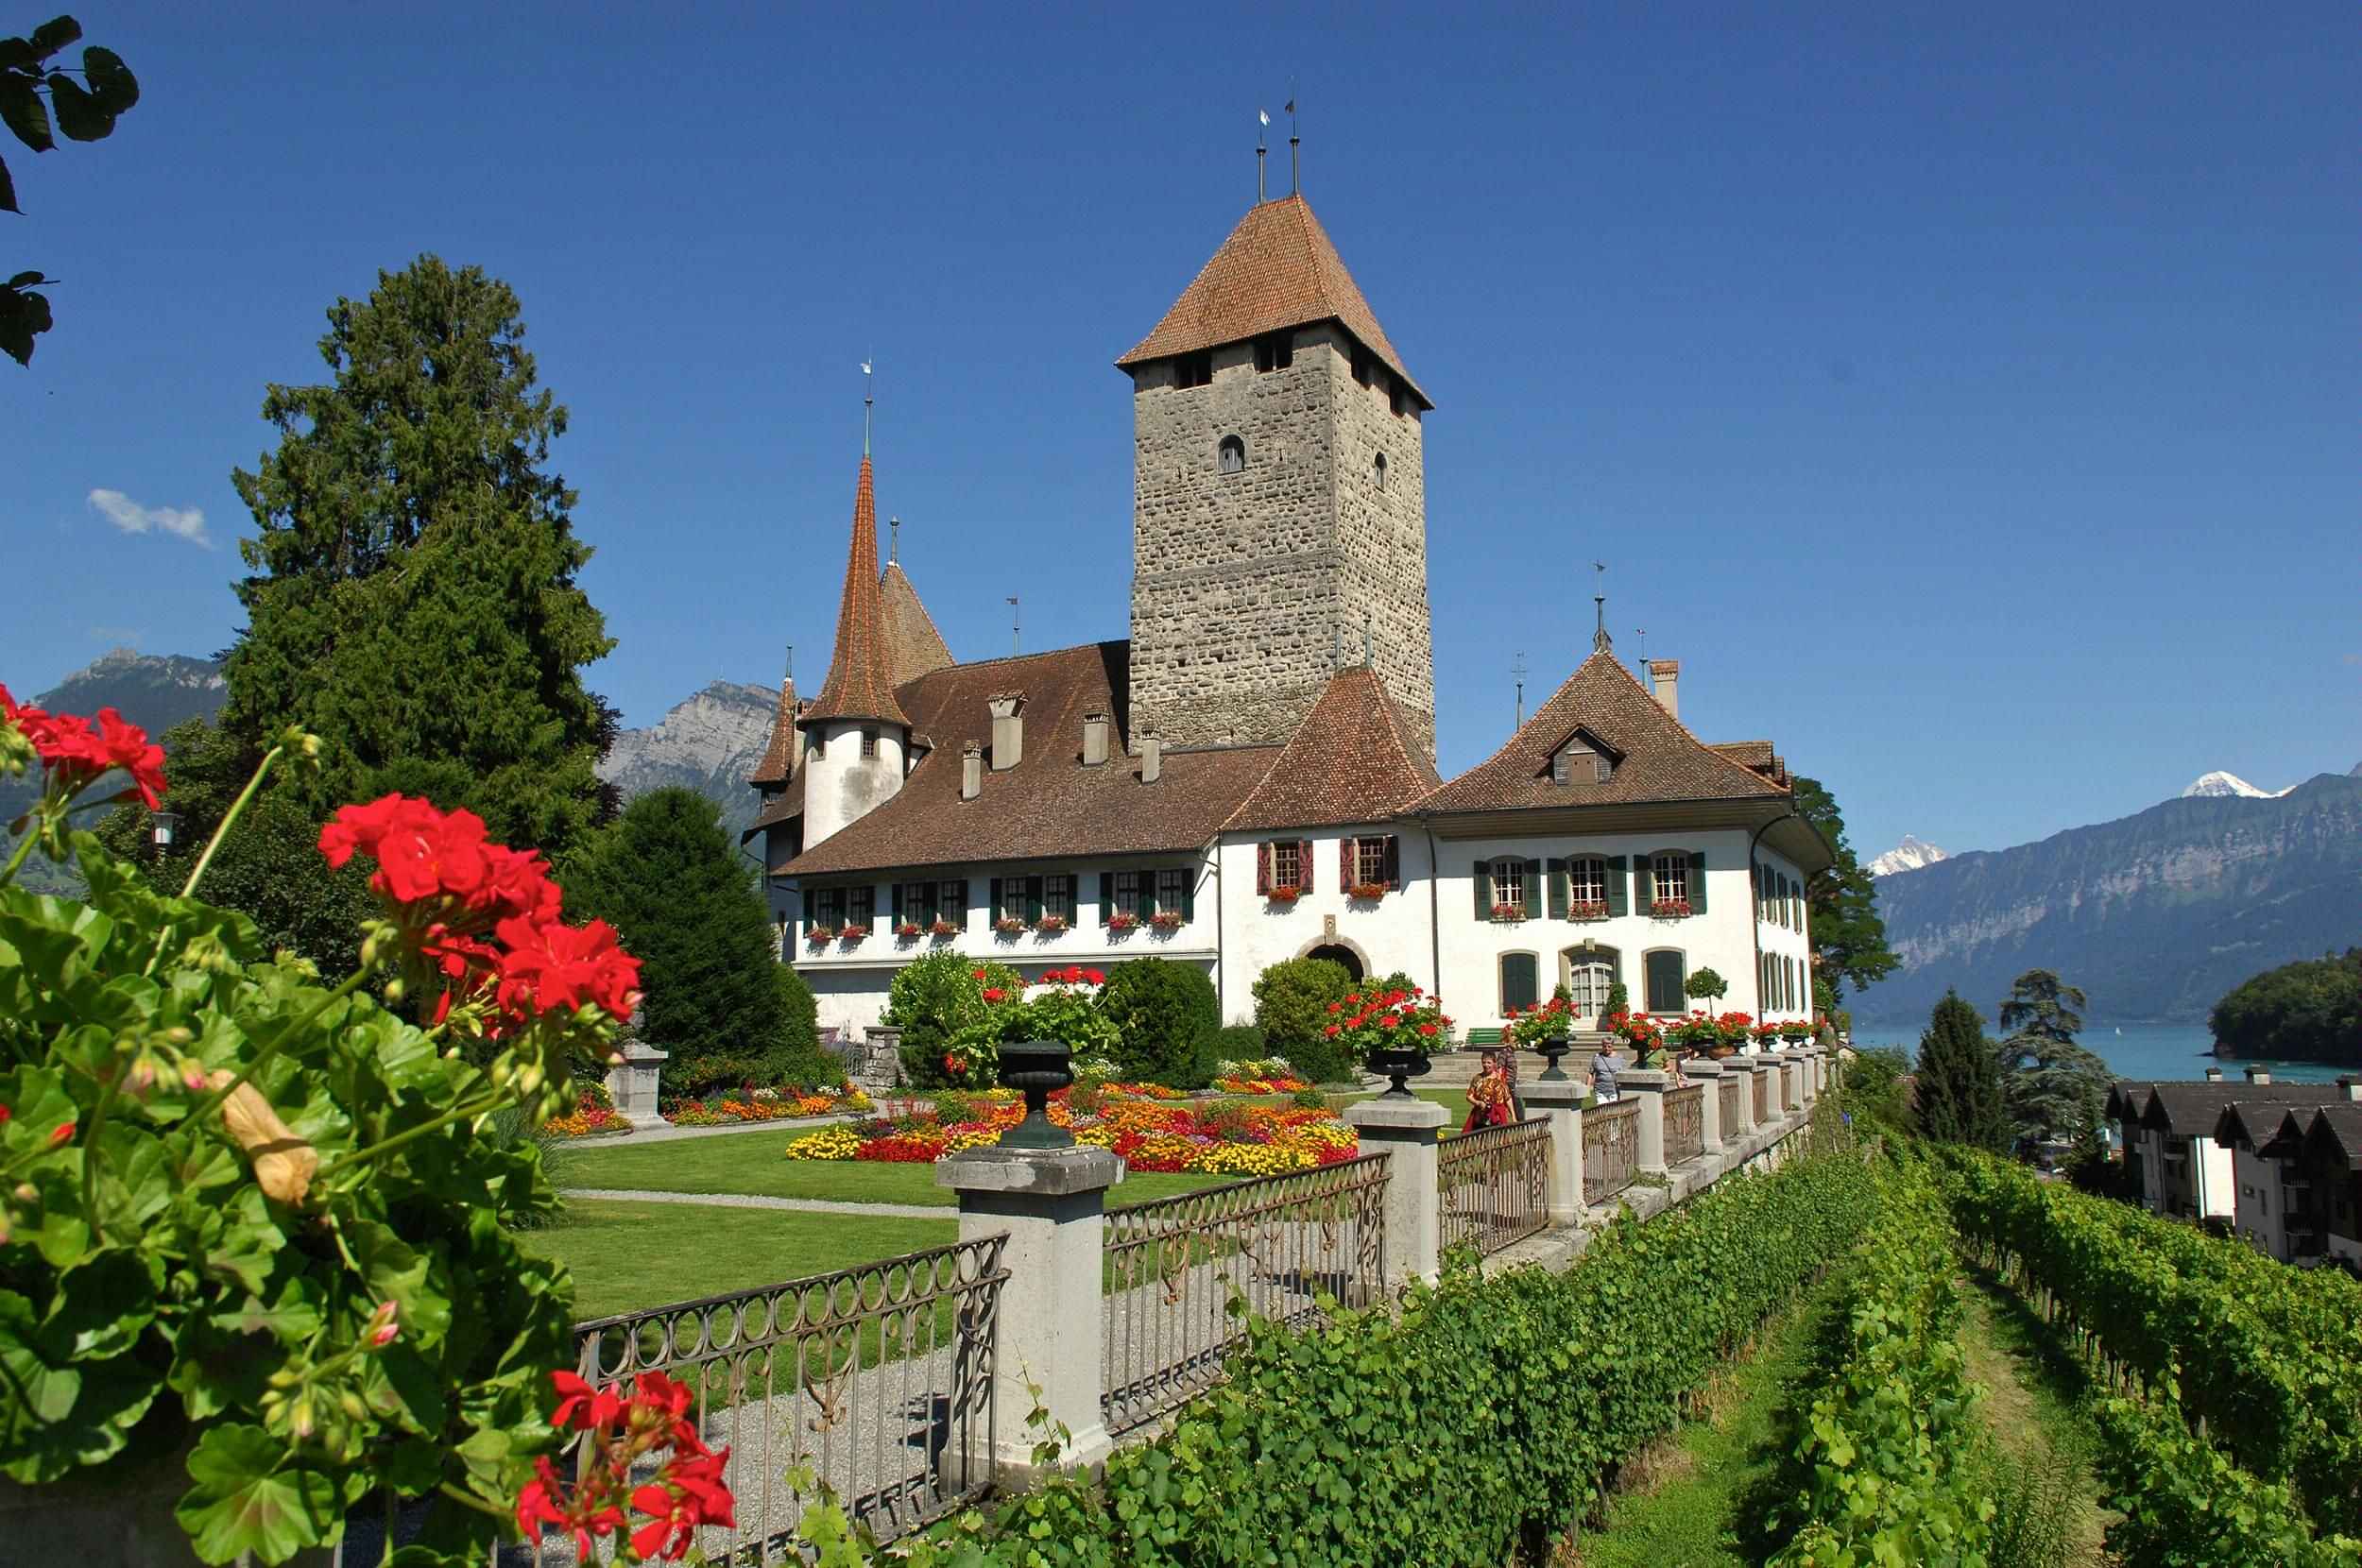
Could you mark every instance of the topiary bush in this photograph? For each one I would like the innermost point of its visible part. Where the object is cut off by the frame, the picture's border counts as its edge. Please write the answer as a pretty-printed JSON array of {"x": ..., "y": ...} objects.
[
  {"x": 1240, "y": 1043},
  {"x": 1166, "y": 1015},
  {"x": 935, "y": 997},
  {"x": 1292, "y": 1000}
]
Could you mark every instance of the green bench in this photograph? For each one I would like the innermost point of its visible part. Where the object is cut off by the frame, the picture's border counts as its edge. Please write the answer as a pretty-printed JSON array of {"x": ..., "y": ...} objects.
[{"x": 1481, "y": 1037}]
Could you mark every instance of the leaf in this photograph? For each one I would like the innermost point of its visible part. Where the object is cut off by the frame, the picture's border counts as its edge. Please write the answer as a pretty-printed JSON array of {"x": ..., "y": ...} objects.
[
  {"x": 110, "y": 80},
  {"x": 21, "y": 111},
  {"x": 57, "y": 1414},
  {"x": 104, "y": 1303},
  {"x": 54, "y": 35},
  {"x": 81, "y": 117},
  {"x": 398, "y": 1273},
  {"x": 8, "y": 203},
  {"x": 24, "y": 280},
  {"x": 252, "y": 1496}
]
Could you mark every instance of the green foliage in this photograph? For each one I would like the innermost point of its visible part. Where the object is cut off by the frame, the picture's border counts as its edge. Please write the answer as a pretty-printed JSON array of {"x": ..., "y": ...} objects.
[
  {"x": 1619, "y": 1000},
  {"x": 934, "y": 999},
  {"x": 2186, "y": 1505},
  {"x": 1706, "y": 985},
  {"x": 2309, "y": 1011},
  {"x": 1958, "y": 1080},
  {"x": 2052, "y": 1086},
  {"x": 269, "y": 868},
  {"x": 1240, "y": 1043},
  {"x": 412, "y": 596},
  {"x": 1873, "y": 1091},
  {"x": 1849, "y": 940},
  {"x": 83, "y": 111},
  {"x": 668, "y": 878},
  {"x": 1292, "y": 1000},
  {"x": 1166, "y": 1015}
]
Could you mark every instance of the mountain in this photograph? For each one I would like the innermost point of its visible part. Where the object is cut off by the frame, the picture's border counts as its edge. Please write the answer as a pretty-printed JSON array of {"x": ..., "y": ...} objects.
[
  {"x": 1908, "y": 856},
  {"x": 2155, "y": 916},
  {"x": 2229, "y": 785},
  {"x": 710, "y": 743}
]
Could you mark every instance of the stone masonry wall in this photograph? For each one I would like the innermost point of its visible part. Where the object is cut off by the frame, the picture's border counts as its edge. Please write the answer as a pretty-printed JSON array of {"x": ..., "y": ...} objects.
[{"x": 1245, "y": 586}]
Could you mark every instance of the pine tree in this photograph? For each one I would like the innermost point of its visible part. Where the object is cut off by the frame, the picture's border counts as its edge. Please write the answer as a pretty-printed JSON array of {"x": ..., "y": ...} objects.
[
  {"x": 668, "y": 878},
  {"x": 2053, "y": 1086},
  {"x": 1960, "y": 1079},
  {"x": 413, "y": 597}
]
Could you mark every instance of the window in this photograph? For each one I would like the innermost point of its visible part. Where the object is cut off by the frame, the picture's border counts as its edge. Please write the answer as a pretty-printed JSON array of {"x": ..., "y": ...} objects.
[
  {"x": 1230, "y": 456},
  {"x": 1586, "y": 888},
  {"x": 1587, "y": 985},
  {"x": 1666, "y": 972},
  {"x": 1364, "y": 366},
  {"x": 1398, "y": 397},
  {"x": 1377, "y": 470},
  {"x": 1057, "y": 898},
  {"x": 869, "y": 743},
  {"x": 1274, "y": 350},
  {"x": 824, "y": 909},
  {"x": 1509, "y": 884},
  {"x": 914, "y": 904},
  {"x": 1173, "y": 890},
  {"x": 1195, "y": 370},
  {"x": 1670, "y": 872},
  {"x": 1372, "y": 863},
  {"x": 1579, "y": 764},
  {"x": 1286, "y": 864},
  {"x": 860, "y": 905},
  {"x": 1127, "y": 895},
  {"x": 1518, "y": 985},
  {"x": 952, "y": 902},
  {"x": 1010, "y": 904}
]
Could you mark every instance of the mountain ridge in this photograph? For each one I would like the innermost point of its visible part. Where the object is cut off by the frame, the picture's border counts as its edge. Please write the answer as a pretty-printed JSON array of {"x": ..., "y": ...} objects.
[
  {"x": 708, "y": 742},
  {"x": 1910, "y": 855}
]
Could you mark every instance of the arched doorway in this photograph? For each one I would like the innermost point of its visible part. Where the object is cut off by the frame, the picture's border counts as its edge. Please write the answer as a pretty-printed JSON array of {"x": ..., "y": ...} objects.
[
  {"x": 1339, "y": 954},
  {"x": 1588, "y": 972}
]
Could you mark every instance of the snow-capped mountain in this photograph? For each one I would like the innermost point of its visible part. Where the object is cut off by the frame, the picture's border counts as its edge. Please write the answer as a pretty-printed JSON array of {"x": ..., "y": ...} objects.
[
  {"x": 1908, "y": 856},
  {"x": 2220, "y": 783}
]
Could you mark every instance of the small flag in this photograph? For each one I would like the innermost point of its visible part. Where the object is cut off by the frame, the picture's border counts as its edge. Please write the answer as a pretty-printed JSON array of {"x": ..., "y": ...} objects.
[
  {"x": 1264, "y": 115},
  {"x": 1289, "y": 108},
  {"x": 865, "y": 367}
]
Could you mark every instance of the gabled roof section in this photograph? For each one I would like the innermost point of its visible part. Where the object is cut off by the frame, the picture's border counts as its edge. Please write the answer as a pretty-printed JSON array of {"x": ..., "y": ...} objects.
[
  {"x": 1049, "y": 805},
  {"x": 1662, "y": 761},
  {"x": 779, "y": 758},
  {"x": 2187, "y": 1108},
  {"x": 1592, "y": 740},
  {"x": 913, "y": 646},
  {"x": 1278, "y": 268},
  {"x": 1354, "y": 759},
  {"x": 861, "y": 677},
  {"x": 2339, "y": 1127},
  {"x": 2127, "y": 1097}
]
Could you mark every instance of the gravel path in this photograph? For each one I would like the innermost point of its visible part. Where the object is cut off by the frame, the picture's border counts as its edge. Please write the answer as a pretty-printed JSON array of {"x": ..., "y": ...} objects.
[{"x": 744, "y": 1201}]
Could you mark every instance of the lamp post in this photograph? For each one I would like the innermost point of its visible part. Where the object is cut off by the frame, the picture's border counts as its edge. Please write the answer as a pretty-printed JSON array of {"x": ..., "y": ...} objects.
[{"x": 160, "y": 829}]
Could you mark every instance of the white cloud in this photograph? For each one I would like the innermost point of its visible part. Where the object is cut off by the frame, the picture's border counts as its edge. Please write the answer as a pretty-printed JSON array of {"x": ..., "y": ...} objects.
[{"x": 132, "y": 517}]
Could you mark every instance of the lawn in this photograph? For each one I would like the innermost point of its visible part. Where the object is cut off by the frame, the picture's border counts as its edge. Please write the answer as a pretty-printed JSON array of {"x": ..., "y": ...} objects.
[
  {"x": 627, "y": 1257},
  {"x": 755, "y": 1163}
]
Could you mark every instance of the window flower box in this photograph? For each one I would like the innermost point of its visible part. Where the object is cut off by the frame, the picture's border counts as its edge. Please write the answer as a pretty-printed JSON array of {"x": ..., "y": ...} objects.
[
  {"x": 1284, "y": 896},
  {"x": 820, "y": 936},
  {"x": 1509, "y": 914},
  {"x": 908, "y": 931},
  {"x": 1166, "y": 920},
  {"x": 851, "y": 934},
  {"x": 1367, "y": 892},
  {"x": 943, "y": 930},
  {"x": 1051, "y": 925},
  {"x": 1010, "y": 925},
  {"x": 1124, "y": 920},
  {"x": 1669, "y": 908},
  {"x": 1587, "y": 909}
]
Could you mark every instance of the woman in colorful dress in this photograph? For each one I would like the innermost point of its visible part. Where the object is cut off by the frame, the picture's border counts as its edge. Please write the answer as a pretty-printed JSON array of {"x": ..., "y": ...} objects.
[{"x": 1492, "y": 1096}]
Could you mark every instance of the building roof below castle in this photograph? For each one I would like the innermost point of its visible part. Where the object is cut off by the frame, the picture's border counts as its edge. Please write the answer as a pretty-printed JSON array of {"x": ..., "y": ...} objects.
[
  {"x": 1277, "y": 270},
  {"x": 1353, "y": 760},
  {"x": 914, "y": 645}
]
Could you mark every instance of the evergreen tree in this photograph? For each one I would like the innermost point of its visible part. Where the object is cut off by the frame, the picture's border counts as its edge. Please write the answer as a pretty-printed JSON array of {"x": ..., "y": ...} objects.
[
  {"x": 1960, "y": 1079},
  {"x": 2054, "y": 1087},
  {"x": 668, "y": 878},
  {"x": 412, "y": 598},
  {"x": 1849, "y": 940}
]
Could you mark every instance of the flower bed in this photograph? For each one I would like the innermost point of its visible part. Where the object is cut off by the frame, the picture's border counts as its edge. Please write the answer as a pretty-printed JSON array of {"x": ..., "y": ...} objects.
[
  {"x": 1268, "y": 1075},
  {"x": 1225, "y": 1137},
  {"x": 594, "y": 1112},
  {"x": 720, "y": 1110}
]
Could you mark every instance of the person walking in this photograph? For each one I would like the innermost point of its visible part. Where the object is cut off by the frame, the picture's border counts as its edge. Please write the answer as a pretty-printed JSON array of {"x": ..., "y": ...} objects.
[{"x": 1604, "y": 1067}]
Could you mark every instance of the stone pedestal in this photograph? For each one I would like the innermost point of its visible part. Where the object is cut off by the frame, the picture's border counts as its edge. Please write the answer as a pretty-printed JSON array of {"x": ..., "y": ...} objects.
[
  {"x": 1808, "y": 1074},
  {"x": 1051, "y": 1203},
  {"x": 1709, "y": 1074},
  {"x": 1405, "y": 1130},
  {"x": 1792, "y": 1081},
  {"x": 1560, "y": 1105},
  {"x": 632, "y": 1082},
  {"x": 1648, "y": 1086},
  {"x": 1765, "y": 1067}
]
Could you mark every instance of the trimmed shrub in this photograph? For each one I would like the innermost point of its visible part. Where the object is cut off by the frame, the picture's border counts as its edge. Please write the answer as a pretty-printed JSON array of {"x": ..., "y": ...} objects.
[
  {"x": 1292, "y": 1000},
  {"x": 1240, "y": 1042},
  {"x": 1166, "y": 1015},
  {"x": 932, "y": 1001}
]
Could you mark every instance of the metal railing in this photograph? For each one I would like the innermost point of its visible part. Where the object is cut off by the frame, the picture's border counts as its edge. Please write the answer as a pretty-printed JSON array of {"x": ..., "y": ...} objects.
[
  {"x": 1731, "y": 1105},
  {"x": 1279, "y": 1243},
  {"x": 1611, "y": 1149},
  {"x": 1685, "y": 1123},
  {"x": 1763, "y": 1102},
  {"x": 877, "y": 1377},
  {"x": 1494, "y": 1183}
]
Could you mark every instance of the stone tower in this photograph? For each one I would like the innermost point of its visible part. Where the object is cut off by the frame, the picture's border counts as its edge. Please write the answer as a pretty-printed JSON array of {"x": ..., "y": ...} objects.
[{"x": 1279, "y": 496}]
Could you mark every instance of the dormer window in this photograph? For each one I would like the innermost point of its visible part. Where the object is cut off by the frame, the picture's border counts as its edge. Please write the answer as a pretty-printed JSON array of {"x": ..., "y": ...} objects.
[
  {"x": 1377, "y": 470},
  {"x": 1230, "y": 456},
  {"x": 1274, "y": 350},
  {"x": 1582, "y": 761},
  {"x": 869, "y": 743},
  {"x": 1195, "y": 370}
]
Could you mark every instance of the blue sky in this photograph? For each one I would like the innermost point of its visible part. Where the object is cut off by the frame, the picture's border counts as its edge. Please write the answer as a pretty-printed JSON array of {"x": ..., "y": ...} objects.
[{"x": 1964, "y": 394}]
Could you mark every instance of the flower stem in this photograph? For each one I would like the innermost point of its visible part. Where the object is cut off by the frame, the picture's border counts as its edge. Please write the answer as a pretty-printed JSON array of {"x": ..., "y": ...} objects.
[
  {"x": 262, "y": 1058},
  {"x": 23, "y": 847},
  {"x": 188, "y": 888},
  {"x": 468, "y": 1499},
  {"x": 387, "y": 1146}
]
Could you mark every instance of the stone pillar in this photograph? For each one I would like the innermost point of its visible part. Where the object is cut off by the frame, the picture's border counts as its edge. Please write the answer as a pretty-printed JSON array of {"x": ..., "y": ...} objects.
[
  {"x": 632, "y": 1082},
  {"x": 1560, "y": 1105},
  {"x": 1738, "y": 1067},
  {"x": 1051, "y": 1203},
  {"x": 1709, "y": 1074},
  {"x": 1767, "y": 1073},
  {"x": 1404, "y": 1128},
  {"x": 1807, "y": 1075},
  {"x": 1648, "y": 1087},
  {"x": 1792, "y": 1074}
]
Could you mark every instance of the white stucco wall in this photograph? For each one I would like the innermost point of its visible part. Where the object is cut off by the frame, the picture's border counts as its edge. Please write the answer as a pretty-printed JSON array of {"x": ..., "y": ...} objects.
[
  {"x": 1388, "y": 933},
  {"x": 2262, "y": 1205},
  {"x": 839, "y": 782},
  {"x": 2213, "y": 1181},
  {"x": 1786, "y": 936}
]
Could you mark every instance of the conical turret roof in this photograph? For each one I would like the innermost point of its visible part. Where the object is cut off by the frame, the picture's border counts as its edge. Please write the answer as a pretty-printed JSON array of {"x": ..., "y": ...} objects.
[{"x": 861, "y": 677}]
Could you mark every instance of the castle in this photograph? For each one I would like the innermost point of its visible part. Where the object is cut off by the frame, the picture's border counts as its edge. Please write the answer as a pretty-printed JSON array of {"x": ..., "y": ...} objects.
[{"x": 1251, "y": 775}]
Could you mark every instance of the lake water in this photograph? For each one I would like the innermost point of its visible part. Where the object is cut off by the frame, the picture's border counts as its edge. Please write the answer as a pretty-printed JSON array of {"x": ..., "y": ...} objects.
[{"x": 2148, "y": 1052}]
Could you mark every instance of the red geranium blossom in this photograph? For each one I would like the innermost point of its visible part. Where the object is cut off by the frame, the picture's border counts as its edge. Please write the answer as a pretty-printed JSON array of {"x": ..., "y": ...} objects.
[
  {"x": 76, "y": 751},
  {"x": 550, "y": 967},
  {"x": 686, "y": 1490}
]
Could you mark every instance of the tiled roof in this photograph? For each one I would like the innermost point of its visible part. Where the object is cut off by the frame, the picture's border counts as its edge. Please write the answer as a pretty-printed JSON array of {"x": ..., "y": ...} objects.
[
  {"x": 2127, "y": 1098},
  {"x": 861, "y": 677},
  {"x": 2341, "y": 1122},
  {"x": 1353, "y": 760},
  {"x": 1747, "y": 754},
  {"x": 779, "y": 758},
  {"x": 914, "y": 647},
  {"x": 781, "y": 806},
  {"x": 1049, "y": 805},
  {"x": 1277, "y": 270},
  {"x": 1663, "y": 761},
  {"x": 2187, "y": 1108}
]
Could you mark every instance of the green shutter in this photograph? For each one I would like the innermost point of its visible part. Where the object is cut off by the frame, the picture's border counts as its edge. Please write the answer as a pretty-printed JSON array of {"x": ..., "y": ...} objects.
[
  {"x": 1559, "y": 893},
  {"x": 1665, "y": 982},
  {"x": 1697, "y": 881},
  {"x": 1517, "y": 983},
  {"x": 992, "y": 910},
  {"x": 1484, "y": 890},
  {"x": 1618, "y": 898},
  {"x": 898, "y": 903},
  {"x": 1530, "y": 886},
  {"x": 1394, "y": 860},
  {"x": 1033, "y": 898},
  {"x": 1643, "y": 883},
  {"x": 1107, "y": 896},
  {"x": 1188, "y": 896}
]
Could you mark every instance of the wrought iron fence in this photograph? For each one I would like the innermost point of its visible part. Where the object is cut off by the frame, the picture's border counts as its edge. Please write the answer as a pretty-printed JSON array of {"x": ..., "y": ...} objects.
[
  {"x": 879, "y": 1378},
  {"x": 1763, "y": 1101},
  {"x": 1611, "y": 1149},
  {"x": 1278, "y": 1243},
  {"x": 1685, "y": 1123},
  {"x": 1494, "y": 1183},
  {"x": 1731, "y": 1105}
]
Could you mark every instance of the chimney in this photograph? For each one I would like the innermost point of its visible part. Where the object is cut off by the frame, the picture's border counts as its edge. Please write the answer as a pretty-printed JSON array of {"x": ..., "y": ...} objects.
[
  {"x": 1008, "y": 731},
  {"x": 2213, "y": 1075},
  {"x": 2351, "y": 1086},
  {"x": 1152, "y": 760},
  {"x": 971, "y": 770},
  {"x": 1095, "y": 739},
  {"x": 1664, "y": 675},
  {"x": 2259, "y": 1075}
]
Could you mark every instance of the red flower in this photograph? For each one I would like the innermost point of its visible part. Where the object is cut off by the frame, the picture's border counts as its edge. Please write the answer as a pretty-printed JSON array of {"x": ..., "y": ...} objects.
[
  {"x": 549, "y": 966},
  {"x": 979, "y": 975},
  {"x": 1354, "y": 1001},
  {"x": 62, "y": 1134},
  {"x": 1331, "y": 1029},
  {"x": 1427, "y": 1028},
  {"x": 1097, "y": 977},
  {"x": 1336, "y": 1007},
  {"x": 1389, "y": 1021},
  {"x": 994, "y": 993},
  {"x": 77, "y": 751}
]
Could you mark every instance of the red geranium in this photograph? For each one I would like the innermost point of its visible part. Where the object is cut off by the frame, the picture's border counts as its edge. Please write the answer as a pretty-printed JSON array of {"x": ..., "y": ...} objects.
[
  {"x": 76, "y": 751},
  {"x": 686, "y": 1490}
]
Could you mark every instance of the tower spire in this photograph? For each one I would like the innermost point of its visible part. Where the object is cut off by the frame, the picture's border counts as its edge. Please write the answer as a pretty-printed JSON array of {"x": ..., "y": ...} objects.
[
  {"x": 868, "y": 403},
  {"x": 1599, "y": 644},
  {"x": 1295, "y": 145},
  {"x": 894, "y": 540},
  {"x": 861, "y": 677},
  {"x": 1263, "y": 124}
]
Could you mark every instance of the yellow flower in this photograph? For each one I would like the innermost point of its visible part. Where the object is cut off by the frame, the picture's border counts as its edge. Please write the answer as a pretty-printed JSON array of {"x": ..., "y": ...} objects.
[{"x": 830, "y": 1143}]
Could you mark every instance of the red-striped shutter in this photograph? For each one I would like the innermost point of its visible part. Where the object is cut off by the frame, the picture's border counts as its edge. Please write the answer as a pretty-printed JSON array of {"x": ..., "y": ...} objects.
[
  {"x": 1345, "y": 868},
  {"x": 1304, "y": 865},
  {"x": 1263, "y": 869}
]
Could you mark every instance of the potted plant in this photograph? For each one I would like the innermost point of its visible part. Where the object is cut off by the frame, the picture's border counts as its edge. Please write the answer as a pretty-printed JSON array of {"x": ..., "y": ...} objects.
[
  {"x": 1166, "y": 920},
  {"x": 1587, "y": 909},
  {"x": 1284, "y": 894},
  {"x": 1390, "y": 1031},
  {"x": 853, "y": 934},
  {"x": 1051, "y": 925},
  {"x": 820, "y": 935},
  {"x": 1122, "y": 920},
  {"x": 1509, "y": 914},
  {"x": 1010, "y": 925},
  {"x": 1669, "y": 909},
  {"x": 908, "y": 931},
  {"x": 1368, "y": 892},
  {"x": 943, "y": 930}
]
